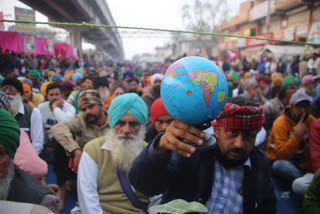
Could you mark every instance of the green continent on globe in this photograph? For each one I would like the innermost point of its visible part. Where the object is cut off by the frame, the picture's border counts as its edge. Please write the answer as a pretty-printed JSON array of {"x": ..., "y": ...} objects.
[{"x": 207, "y": 81}]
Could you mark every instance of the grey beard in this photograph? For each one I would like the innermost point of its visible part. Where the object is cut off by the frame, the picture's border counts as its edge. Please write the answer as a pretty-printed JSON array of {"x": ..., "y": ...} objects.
[
  {"x": 125, "y": 148},
  {"x": 5, "y": 182},
  {"x": 15, "y": 102},
  {"x": 104, "y": 95}
]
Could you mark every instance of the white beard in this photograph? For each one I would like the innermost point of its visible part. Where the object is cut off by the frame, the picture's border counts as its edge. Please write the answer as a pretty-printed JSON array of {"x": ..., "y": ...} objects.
[
  {"x": 15, "y": 102},
  {"x": 125, "y": 148},
  {"x": 104, "y": 94},
  {"x": 5, "y": 182}
]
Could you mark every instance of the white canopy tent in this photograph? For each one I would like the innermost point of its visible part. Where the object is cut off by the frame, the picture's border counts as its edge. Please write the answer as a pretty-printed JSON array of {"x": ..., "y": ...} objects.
[{"x": 283, "y": 50}]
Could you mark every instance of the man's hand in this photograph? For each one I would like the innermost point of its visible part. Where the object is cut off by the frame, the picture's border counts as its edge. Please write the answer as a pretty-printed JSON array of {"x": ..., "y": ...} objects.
[
  {"x": 169, "y": 141},
  {"x": 77, "y": 155},
  {"x": 58, "y": 103},
  {"x": 259, "y": 93},
  {"x": 301, "y": 129}
]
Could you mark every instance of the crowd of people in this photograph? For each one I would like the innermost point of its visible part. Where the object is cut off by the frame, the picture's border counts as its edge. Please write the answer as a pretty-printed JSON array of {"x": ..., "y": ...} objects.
[{"x": 105, "y": 130}]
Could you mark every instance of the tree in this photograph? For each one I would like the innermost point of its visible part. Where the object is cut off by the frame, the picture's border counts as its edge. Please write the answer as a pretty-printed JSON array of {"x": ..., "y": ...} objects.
[{"x": 203, "y": 16}]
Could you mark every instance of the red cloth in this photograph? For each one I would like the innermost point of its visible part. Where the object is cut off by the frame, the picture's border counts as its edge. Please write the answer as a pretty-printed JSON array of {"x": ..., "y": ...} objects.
[
  {"x": 157, "y": 109},
  {"x": 314, "y": 145},
  {"x": 263, "y": 79},
  {"x": 244, "y": 118}
]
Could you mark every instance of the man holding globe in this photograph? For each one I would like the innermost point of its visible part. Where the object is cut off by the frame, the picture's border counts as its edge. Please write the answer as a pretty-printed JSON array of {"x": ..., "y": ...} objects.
[{"x": 229, "y": 177}]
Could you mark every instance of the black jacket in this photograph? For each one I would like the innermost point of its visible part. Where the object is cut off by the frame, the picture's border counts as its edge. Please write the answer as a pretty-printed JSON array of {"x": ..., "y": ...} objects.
[{"x": 191, "y": 178}]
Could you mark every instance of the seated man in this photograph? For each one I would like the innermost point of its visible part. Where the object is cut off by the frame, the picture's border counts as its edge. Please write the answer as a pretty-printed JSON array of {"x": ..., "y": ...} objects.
[
  {"x": 134, "y": 86},
  {"x": 29, "y": 118},
  {"x": 232, "y": 177},
  {"x": 300, "y": 185},
  {"x": 311, "y": 202},
  {"x": 106, "y": 161},
  {"x": 25, "y": 157},
  {"x": 273, "y": 108},
  {"x": 288, "y": 142},
  {"x": 73, "y": 134},
  {"x": 160, "y": 119},
  {"x": 53, "y": 111},
  {"x": 15, "y": 184},
  {"x": 253, "y": 92}
]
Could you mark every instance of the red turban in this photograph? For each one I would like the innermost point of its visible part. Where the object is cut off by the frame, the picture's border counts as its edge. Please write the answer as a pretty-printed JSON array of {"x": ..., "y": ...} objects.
[
  {"x": 157, "y": 109},
  {"x": 244, "y": 118},
  {"x": 263, "y": 79}
]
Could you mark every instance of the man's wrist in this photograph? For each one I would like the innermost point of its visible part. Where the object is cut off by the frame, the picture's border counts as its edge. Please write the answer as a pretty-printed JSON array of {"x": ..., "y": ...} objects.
[
  {"x": 76, "y": 151},
  {"x": 156, "y": 142}
]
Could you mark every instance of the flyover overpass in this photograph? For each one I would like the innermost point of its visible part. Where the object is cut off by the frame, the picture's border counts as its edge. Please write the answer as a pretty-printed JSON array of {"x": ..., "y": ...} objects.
[{"x": 107, "y": 40}]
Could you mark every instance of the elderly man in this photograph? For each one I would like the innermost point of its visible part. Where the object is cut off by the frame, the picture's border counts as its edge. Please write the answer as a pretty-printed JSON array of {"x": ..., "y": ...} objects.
[
  {"x": 106, "y": 161},
  {"x": 232, "y": 177},
  {"x": 160, "y": 119},
  {"x": 153, "y": 93},
  {"x": 90, "y": 124},
  {"x": 253, "y": 92},
  {"x": 15, "y": 184},
  {"x": 29, "y": 118}
]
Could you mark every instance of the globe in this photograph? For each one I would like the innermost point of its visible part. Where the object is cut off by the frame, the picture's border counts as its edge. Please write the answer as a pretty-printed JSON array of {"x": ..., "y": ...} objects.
[{"x": 194, "y": 90}]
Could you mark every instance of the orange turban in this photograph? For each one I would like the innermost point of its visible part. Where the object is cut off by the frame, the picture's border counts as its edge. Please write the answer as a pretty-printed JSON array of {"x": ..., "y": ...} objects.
[
  {"x": 43, "y": 88},
  {"x": 26, "y": 87},
  {"x": 50, "y": 73},
  {"x": 277, "y": 79}
]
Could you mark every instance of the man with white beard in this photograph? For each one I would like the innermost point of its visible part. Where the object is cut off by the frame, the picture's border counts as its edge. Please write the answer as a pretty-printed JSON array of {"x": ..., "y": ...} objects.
[
  {"x": 17, "y": 185},
  {"x": 106, "y": 161},
  {"x": 29, "y": 118}
]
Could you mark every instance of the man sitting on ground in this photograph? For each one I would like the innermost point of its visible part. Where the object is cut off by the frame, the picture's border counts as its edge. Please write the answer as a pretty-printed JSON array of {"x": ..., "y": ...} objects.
[
  {"x": 106, "y": 161},
  {"x": 288, "y": 142},
  {"x": 15, "y": 184},
  {"x": 90, "y": 124}
]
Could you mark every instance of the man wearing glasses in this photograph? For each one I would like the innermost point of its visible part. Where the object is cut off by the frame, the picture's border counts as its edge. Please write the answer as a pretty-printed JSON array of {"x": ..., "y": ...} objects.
[{"x": 29, "y": 118}]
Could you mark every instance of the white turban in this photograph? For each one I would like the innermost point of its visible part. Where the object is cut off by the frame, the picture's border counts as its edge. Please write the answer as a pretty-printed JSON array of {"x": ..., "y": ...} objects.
[{"x": 155, "y": 77}]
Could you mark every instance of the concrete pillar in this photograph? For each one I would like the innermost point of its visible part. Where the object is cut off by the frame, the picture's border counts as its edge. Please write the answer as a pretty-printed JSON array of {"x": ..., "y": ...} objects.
[{"x": 75, "y": 40}]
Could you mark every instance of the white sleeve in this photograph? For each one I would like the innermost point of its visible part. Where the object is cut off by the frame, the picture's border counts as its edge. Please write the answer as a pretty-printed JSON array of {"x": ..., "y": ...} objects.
[
  {"x": 66, "y": 113},
  {"x": 87, "y": 185},
  {"x": 261, "y": 137},
  {"x": 310, "y": 63},
  {"x": 36, "y": 134}
]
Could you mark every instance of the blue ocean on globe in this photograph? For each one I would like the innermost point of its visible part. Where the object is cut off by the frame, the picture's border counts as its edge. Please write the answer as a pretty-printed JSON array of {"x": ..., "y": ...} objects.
[{"x": 194, "y": 90}]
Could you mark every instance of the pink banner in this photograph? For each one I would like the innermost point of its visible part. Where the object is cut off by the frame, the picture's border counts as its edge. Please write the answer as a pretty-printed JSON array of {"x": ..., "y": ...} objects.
[
  {"x": 63, "y": 49},
  {"x": 44, "y": 46},
  {"x": 9, "y": 40}
]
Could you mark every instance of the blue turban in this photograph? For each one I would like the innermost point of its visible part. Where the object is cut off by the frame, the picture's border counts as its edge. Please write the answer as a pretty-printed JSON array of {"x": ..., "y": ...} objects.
[
  {"x": 57, "y": 76},
  {"x": 77, "y": 76},
  {"x": 124, "y": 103}
]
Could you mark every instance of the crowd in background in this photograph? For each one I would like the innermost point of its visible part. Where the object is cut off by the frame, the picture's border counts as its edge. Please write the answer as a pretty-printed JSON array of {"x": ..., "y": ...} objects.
[{"x": 288, "y": 88}]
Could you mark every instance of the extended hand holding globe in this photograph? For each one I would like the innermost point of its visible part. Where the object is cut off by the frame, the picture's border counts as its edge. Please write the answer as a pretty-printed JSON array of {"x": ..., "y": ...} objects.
[
  {"x": 171, "y": 140},
  {"x": 194, "y": 91}
]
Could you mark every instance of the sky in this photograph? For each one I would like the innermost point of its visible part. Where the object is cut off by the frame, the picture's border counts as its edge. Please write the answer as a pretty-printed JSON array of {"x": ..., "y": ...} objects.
[{"x": 163, "y": 14}]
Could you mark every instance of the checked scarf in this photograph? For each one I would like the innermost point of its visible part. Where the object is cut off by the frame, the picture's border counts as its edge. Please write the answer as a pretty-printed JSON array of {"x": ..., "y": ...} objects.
[{"x": 244, "y": 118}]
